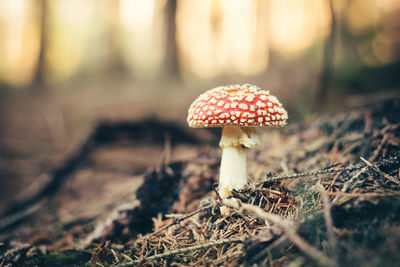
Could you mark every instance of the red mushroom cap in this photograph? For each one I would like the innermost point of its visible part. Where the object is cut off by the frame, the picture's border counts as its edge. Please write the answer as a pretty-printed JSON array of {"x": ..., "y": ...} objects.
[{"x": 236, "y": 105}]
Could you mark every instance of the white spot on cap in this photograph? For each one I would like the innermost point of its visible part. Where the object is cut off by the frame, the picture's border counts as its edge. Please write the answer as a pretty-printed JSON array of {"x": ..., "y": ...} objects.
[
  {"x": 260, "y": 119},
  {"x": 250, "y": 121},
  {"x": 217, "y": 111},
  {"x": 227, "y": 105},
  {"x": 252, "y": 107},
  {"x": 273, "y": 99},
  {"x": 213, "y": 101},
  {"x": 249, "y": 98},
  {"x": 214, "y": 121},
  {"x": 242, "y": 120},
  {"x": 271, "y": 110},
  {"x": 221, "y": 103},
  {"x": 222, "y": 116},
  {"x": 243, "y": 106},
  {"x": 263, "y": 97},
  {"x": 260, "y": 104},
  {"x": 234, "y": 104}
]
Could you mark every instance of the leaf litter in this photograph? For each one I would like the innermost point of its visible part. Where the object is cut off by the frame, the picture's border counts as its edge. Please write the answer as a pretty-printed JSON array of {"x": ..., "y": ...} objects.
[{"x": 323, "y": 193}]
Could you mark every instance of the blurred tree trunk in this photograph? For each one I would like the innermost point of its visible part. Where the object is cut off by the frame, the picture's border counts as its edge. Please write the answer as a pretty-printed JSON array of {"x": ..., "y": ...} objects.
[
  {"x": 114, "y": 60},
  {"x": 39, "y": 79},
  {"x": 171, "y": 58},
  {"x": 327, "y": 64}
]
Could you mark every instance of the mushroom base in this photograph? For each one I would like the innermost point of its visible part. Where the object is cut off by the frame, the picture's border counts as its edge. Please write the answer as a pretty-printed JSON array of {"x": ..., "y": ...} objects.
[
  {"x": 234, "y": 143},
  {"x": 233, "y": 170}
]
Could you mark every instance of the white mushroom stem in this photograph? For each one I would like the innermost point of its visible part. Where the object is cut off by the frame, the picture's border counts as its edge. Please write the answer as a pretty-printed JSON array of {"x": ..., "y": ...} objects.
[
  {"x": 233, "y": 173},
  {"x": 233, "y": 170}
]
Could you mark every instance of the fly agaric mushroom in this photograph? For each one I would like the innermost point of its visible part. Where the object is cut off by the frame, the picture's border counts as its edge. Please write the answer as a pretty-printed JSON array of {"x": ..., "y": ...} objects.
[{"x": 238, "y": 109}]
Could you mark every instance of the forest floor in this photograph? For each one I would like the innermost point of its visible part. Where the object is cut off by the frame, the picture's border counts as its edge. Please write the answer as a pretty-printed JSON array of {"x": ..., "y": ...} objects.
[{"x": 324, "y": 192}]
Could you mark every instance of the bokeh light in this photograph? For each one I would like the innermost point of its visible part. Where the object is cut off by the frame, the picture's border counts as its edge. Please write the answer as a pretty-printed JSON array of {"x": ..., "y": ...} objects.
[
  {"x": 142, "y": 36},
  {"x": 19, "y": 42},
  {"x": 213, "y": 38},
  {"x": 295, "y": 25}
]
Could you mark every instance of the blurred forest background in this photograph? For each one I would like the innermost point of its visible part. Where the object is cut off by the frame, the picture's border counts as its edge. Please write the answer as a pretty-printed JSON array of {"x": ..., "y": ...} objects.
[{"x": 65, "y": 65}]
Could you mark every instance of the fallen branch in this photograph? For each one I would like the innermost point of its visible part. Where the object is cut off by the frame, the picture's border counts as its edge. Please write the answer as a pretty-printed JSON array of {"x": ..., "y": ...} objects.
[
  {"x": 104, "y": 133},
  {"x": 20, "y": 215},
  {"x": 182, "y": 251}
]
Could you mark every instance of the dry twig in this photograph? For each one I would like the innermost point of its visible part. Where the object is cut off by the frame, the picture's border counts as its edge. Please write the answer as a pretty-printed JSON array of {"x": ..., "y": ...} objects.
[
  {"x": 178, "y": 220},
  {"x": 328, "y": 218},
  {"x": 363, "y": 195},
  {"x": 264, "y": 180},
  {"x": 286, "y": 225},
  {"x": 349, "y": 182},
  {"x": 375, "y": 168},
  {"x": 183, "y": 251}
]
